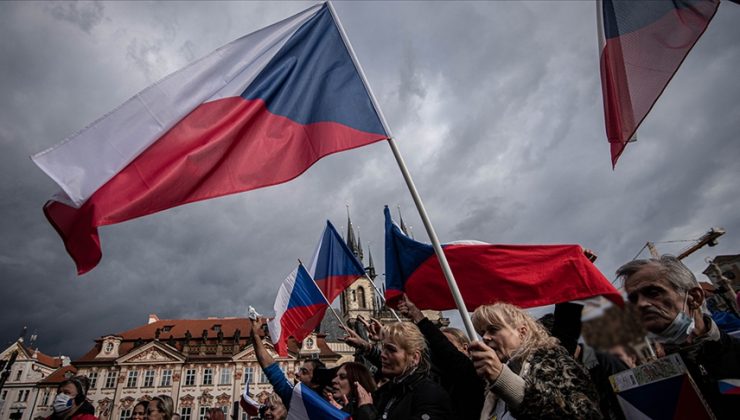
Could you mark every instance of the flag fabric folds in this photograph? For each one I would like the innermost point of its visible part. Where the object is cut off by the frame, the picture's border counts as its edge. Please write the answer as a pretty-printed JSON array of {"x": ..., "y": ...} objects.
[
  {"x": 248, "y": 404},
  {"x": 306, "y": 404},
  {"x": 254, "y": 113},
  {"x": 523, "y": 275},
  {"x": 642, "y": 44},
  {"x": 299, "y": 308},
  {"x": 334, "y": 267}
]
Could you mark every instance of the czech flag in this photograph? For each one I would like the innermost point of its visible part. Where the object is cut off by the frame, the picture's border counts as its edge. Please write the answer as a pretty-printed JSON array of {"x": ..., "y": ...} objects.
[
  {"x": 523, "y": 275},
  {"x": 254, "y": 113},
  {"x": 299, "y": 308},
  {"x": 249, "y": 404},
  {"x": 642, "y": 44},
  {"x": 306, "y": 404},
  {"x": 334, "y": 266}
]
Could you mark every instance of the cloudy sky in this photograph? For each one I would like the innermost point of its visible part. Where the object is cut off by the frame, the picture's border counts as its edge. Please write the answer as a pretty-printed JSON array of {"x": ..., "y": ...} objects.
[{"x": 495, "y": 106}]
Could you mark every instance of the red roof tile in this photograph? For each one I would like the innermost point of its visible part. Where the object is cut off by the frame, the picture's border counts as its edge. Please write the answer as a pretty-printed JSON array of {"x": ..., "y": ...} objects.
[
  {"x": 42, "y": 358},
  {"x": 59, "y": 375}
]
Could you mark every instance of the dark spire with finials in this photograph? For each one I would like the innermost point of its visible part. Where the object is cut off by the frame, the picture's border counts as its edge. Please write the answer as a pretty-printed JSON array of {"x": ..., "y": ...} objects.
[
  {"x": 351, "y": 242},
  {"x": 370, "y": 269}
]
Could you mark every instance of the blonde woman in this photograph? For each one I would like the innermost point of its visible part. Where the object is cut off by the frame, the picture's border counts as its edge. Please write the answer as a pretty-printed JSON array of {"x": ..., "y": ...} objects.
[
  {"x": 529, "y": 375},
  {"x": 160, "y": 407},
  {"x": 409, "y": 393}
]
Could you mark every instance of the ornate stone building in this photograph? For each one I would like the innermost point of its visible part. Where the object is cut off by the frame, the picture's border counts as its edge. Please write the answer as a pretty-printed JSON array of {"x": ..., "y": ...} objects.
[
  {"x": 200, "y": 363},
  {"x": 21, "y": 394}
]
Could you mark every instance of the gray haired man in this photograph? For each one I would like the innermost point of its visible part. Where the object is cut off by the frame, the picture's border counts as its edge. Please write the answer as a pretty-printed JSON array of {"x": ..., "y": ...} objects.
[{"x": 669, "y": 301}]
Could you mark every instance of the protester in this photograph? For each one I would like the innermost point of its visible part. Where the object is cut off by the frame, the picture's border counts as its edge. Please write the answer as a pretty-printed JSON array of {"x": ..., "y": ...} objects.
[
  {"x": 529, "y": 374},
  {"x": 343, "y": 390},
  {"x": 215, "y": 413},
  {"x": 274, "y": 409},
  {"x": 409, "y": 393},
  {"x": 625, "y": 354},
  {"x": 275, "y": 375},
  {"x": 160, "y": 407},
  {"x": 139, "y": 411},
  {"x": 71, "y": 403},
  {"x": 669, "y": 301},
  {"x": 449, "y": 353},
  {"x": 566, "y": 327},
  {"x": 457, "y": 337}
]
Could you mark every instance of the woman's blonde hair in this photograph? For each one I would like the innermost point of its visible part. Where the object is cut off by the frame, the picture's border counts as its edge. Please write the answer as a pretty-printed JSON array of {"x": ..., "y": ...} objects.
[
  {"x": 165, "y": 405},
  {"x": 507, "y": 315},
  {"x": 407, "y": 336}
]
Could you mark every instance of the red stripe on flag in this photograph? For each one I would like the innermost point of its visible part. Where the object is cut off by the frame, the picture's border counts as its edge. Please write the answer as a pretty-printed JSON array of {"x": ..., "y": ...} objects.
[
  {"x": 298, "y": 322},
  {"x": 222, "y": 147}
]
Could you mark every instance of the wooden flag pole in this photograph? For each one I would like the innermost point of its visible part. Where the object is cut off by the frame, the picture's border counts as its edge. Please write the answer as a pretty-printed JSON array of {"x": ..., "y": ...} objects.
[{"x": 412, "y": 188}]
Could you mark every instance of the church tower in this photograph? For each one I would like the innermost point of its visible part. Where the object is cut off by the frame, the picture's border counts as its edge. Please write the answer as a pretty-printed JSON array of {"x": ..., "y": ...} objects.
[{"x": 360, "y": 297}]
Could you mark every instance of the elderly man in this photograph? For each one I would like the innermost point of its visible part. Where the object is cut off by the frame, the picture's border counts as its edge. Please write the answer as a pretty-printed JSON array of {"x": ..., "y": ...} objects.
[{"x": 669, "y": 301}]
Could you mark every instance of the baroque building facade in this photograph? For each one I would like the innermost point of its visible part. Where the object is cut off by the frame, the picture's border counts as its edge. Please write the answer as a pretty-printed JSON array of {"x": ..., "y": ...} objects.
[
  {"x": 201, "y": 364},
  {"x": 26, "y": 368}
]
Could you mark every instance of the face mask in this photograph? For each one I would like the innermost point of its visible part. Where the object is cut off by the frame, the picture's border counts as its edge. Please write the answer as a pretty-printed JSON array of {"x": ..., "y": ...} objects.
[
  {"x": 62, "y": 403},
  {"x": 680, "y": 329}
]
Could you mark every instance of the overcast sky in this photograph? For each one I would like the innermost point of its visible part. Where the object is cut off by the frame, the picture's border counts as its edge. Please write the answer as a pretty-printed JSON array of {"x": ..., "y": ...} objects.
[{"x": 496, "y": 107}]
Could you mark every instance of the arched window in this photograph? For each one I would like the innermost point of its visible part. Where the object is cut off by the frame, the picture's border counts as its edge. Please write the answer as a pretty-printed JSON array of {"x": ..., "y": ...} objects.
[{"x": 361, "y": 297}]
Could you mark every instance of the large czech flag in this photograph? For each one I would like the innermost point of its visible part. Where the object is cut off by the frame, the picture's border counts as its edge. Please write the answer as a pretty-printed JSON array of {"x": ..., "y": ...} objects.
[
  {"x": 334, "y": 267},
  {"x": 523, "y": 275},
  {"x": 256, "y": 112},
  {"x": 299, "y": 308},
  {"x": 642, "y": 45}
]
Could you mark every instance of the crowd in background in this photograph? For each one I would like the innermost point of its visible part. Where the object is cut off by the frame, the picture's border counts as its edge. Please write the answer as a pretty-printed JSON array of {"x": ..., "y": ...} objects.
[{"x": 519, "y": 368}]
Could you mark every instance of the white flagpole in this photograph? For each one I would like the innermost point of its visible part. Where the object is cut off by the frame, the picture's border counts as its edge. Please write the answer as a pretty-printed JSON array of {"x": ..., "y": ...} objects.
[
  {"x": 325, "y": 299},
  {"x": 412, "y": 188}
]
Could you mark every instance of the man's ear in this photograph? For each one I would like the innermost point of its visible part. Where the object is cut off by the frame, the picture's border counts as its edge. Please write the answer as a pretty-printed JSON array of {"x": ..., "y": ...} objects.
[{"x": 695, "y": 298}]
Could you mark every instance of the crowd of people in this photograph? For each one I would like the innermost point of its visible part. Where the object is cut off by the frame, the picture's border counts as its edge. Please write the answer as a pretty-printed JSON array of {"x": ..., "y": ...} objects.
[{"x": 518, "y": 368}]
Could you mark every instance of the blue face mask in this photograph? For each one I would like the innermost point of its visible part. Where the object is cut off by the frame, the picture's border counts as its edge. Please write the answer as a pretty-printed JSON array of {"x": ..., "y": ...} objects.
[{"x": 679, "y": 330}]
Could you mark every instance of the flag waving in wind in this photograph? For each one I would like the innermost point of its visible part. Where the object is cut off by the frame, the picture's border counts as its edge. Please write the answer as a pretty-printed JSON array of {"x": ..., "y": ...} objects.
[
  {"x": 257, "y": 112},
  {"x": 308, "y": 405},
  {"x": 299, "y": 308},
  {"x": 334, "y": 266},
  {"x": 643, "y": 43},
  {"x": 523, "y": 275}
]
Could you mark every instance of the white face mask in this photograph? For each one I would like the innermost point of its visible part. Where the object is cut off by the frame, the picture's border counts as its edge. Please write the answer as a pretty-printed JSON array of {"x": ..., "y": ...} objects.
[
  {"x": 62, "y": 403},
  {"x": 680, "y": 328}
]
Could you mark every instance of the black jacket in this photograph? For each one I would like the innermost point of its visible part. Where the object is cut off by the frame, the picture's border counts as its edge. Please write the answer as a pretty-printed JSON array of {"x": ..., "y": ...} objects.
[
  {"x": 711, "y": 362},
  {"x": 414, "y": 398},
  {"x": 456, "y": 373}
]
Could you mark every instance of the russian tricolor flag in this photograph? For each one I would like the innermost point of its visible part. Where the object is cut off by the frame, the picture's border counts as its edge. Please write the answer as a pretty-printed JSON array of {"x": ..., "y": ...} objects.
[
  {"x": 643, "y": 43},
  {"x": 334, "y": 266},
  {"x": 299, "y": 308},
  {"x": 256, "y": 112},
  {"x": 305, "y": 404},
  {"x": 523, "y": 275}
]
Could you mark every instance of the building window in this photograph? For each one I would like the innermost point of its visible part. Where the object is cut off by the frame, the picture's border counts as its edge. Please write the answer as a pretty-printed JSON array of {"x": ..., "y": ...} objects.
[
  {"x": 5, "y": 394},
  {"x": 225, "y": 376},
  {"x": 23, "y": 395},
  {"x": 19, "y": 374},
  {"x": 133, "y": 377},
  {"x": 167, "y": 328},
  {"x": 166, "y": 377},
  {"x": 190, "y": 377},
  {"x": 93, "y": 376},
  {"x": 263, "y": 377},
  {"x": 208, "y": 376},
  {"x": 126, "y": 413},
  {"x": 361, "y": 297},
  {"x": 185, "y": 413},
  {"x": 110, "y": 379},
  {"x": 203, "y": 413},
  {"x": 45, "y": 401},
  {"x": 149, "y": 378},
  {"x": 248, "y": 375},
  {"x": 217, "y": 327}
]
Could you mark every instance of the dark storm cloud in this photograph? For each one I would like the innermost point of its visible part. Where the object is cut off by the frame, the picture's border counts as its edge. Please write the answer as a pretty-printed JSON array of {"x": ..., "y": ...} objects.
[{"x": 495, "y": 106}]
